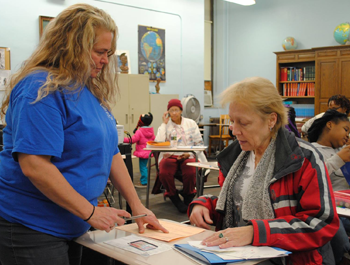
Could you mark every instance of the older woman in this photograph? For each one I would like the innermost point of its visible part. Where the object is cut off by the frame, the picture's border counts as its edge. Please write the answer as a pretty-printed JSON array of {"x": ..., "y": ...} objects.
[
  {"x": 276, "y": 190},
  {"x": 188, "y": 134}
]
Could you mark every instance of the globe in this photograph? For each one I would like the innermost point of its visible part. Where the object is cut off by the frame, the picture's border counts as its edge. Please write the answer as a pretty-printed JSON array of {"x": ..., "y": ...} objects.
[
  {"x": 289, "y": 43},
  {"x": 341, "y": 33},
  {"x": 151, "y": 46}
]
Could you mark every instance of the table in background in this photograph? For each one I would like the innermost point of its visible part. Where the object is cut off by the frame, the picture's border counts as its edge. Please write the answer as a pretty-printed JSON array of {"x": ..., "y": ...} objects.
[
  {"x": 204, "y": 165},
  {"x": 343, "y": 211},
  {"x": 170, "y": 150}
]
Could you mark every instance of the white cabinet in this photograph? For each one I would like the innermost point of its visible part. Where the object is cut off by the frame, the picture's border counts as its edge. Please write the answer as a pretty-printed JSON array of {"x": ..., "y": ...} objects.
[
  {"x": 158, "y": 105},
  {"x": 133, "y": 100}
]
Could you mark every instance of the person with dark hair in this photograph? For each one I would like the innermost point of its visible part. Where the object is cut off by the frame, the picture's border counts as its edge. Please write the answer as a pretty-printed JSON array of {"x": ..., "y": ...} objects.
[
  {"x": 61, "y": 143},
  {"x": 188, "y": 134},
  {"x": 329, "y": 135},
  {"x": 143, "y": 133},
  {"x": 338, "y": 102},
  {"x": 291, "y": 126}
]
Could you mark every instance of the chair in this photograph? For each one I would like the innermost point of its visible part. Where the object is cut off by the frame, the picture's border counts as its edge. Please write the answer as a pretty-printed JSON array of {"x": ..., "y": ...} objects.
[{"x": 223, "y": 135}]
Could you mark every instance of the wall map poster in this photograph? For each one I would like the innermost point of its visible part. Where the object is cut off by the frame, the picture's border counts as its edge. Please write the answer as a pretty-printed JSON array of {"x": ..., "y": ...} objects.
[{"x": 152, "y": 53}]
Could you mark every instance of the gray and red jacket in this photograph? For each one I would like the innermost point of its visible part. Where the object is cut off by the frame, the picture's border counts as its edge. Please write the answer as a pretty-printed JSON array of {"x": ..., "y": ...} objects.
[{"x": 302, "y": 198}]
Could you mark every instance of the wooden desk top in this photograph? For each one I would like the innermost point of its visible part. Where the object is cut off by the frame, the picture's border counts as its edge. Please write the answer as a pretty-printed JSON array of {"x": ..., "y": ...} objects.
[
  {"x": 95, "y": 240},
  {"x": 209, "y": 165}
]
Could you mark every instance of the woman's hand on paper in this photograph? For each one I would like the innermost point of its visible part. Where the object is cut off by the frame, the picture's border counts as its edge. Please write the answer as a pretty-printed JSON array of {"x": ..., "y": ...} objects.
[
  {"x": 231, "y": 237},
  {"x": 105, "y": 218},
  {"x": 200, "y": 217},
  {"x": 151, "y": 220}
]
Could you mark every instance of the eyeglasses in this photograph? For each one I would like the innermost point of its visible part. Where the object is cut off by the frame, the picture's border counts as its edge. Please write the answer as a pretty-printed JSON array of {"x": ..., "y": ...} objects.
[{"x": 174, "y": 111}]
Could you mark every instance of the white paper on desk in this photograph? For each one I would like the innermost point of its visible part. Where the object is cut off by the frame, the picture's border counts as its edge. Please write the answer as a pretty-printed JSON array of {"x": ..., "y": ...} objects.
[
  {"x": 123, "y": 243},
  {"x": 191, "y": 146},
  {"x": 245, "y": 252}
]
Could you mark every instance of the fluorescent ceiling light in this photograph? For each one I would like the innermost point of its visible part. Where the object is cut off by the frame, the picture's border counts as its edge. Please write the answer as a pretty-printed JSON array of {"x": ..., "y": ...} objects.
[{"x": 243, "y": 2}]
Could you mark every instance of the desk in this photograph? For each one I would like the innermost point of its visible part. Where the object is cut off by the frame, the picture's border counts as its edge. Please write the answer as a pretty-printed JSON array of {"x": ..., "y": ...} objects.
[
  {"x": 94, "y": 240},
  {"x": 343, "y": 211},
  {"x": 204, "y": 165},
  {"x": 170, "y": 150}
]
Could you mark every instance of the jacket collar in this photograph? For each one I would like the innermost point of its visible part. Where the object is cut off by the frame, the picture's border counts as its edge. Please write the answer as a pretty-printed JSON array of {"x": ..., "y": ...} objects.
[{"x": 289, "y": 156}]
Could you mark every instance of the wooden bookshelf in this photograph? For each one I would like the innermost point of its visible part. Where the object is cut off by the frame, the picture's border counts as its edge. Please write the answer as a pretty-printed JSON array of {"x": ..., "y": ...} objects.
[{"x": 332, "y": 71}]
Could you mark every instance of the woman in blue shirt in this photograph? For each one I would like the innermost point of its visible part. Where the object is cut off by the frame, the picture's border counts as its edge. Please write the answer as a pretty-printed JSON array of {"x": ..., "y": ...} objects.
[{"x": 61, "y": 143}]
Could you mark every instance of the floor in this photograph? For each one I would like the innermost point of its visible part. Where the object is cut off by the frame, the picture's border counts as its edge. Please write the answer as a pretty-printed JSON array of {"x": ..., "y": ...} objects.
[{"x": 164, "y": 209}]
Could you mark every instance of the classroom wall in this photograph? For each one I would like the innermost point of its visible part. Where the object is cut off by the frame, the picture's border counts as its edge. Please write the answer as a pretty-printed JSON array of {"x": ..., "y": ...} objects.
[
  {"x": 183, "y": 21},
  {"x": 245, "y": 37}
]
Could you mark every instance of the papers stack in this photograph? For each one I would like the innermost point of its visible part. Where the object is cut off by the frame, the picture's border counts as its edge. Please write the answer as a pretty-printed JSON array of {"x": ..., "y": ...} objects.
[
  {"x": 215, "y": 255},
  {"x": 154, "y": 144}
]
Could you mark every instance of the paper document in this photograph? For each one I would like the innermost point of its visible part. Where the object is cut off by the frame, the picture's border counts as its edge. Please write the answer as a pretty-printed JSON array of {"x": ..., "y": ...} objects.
[
  {"x": 245, "y": 252},
  {"x": 176, "y": 230},
  {"x": 224, "y": 257},
  {"x": 126, "y": 244}
]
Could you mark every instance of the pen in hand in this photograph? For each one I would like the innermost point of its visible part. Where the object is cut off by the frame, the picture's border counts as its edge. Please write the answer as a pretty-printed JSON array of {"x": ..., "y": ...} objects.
[{"x": 134, "y": 217}]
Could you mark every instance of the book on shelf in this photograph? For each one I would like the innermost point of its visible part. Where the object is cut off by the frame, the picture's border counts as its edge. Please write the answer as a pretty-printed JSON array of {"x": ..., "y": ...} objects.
[
  {"x": 298, "y": 89},
  {"x": 306, "y": 73},
  {"x": 284, "y": 74},
  {"x": 309, "y": 73}
]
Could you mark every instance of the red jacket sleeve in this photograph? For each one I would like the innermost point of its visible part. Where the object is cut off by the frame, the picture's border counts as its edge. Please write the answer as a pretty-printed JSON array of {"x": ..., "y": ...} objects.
[
  {"x": 306, "y": 216},
  {"x": 208, "y": 201}
]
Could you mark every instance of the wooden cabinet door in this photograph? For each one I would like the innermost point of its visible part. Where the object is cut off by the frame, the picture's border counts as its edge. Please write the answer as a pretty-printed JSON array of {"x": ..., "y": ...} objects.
[
  {"x": 344, "y": 80},
  {"x": 120, "y": 110},
  {"x": 138, "y": 98},
  {"x": 327, "y": 82}
]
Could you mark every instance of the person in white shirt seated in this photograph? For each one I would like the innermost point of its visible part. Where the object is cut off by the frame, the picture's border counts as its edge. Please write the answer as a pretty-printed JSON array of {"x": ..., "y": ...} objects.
[{"x": 188, "y": 134}]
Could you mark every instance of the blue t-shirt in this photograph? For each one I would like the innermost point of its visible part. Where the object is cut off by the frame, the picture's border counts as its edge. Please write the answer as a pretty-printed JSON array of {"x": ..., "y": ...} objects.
[{"x": 76, "y": 131}]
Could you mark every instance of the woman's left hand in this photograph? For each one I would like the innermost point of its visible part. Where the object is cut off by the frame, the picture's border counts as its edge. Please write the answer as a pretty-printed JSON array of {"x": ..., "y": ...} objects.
[
  {"x": 151, "y": 220},
  {"x": 231, "y": 237},
  {"x": 183, "y": 156}
]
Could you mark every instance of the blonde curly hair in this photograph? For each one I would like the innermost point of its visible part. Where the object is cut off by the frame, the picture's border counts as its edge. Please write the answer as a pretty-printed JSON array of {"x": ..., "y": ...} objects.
[{"x": 64, "y": 51}]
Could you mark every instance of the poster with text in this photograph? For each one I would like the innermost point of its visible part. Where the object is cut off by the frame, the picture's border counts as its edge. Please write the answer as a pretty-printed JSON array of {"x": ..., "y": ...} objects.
[{"x": 151, "y": 53}]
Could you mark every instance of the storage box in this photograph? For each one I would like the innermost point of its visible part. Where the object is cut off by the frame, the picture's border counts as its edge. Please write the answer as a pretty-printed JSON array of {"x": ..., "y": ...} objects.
[{"x": 120, "y": 129}]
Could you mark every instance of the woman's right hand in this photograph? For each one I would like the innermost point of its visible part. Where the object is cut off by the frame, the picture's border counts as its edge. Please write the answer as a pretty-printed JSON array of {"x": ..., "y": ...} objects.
[
  {"x": 165, "y": 117},
  {"x": 200, "y": 217},
  {"x": 344, "y": 153},
  {"x": 105, "y": 218}
]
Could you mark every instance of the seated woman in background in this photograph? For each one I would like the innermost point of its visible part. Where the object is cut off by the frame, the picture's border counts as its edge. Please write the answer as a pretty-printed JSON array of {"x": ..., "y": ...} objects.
[
  {"x": 329, "y": 134},
  {"x": 336, "y": 102},
  {"x": 291, "y": 126},
  {"x": 188, "y": 134},
  {"x": 276, "y": 190}
]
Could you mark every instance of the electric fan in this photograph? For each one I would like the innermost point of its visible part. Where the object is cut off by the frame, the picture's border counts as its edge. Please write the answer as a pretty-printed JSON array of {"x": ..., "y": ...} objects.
[{"x": 191, "y": 108}]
